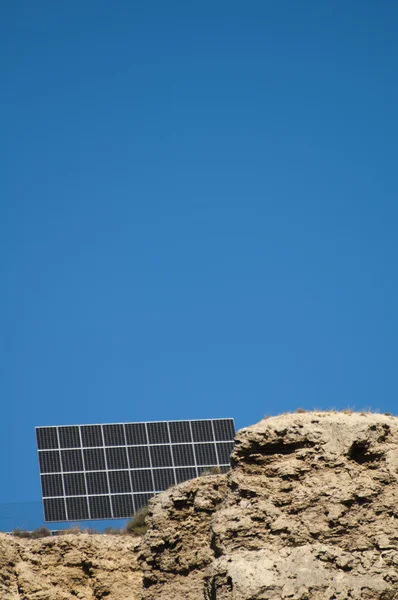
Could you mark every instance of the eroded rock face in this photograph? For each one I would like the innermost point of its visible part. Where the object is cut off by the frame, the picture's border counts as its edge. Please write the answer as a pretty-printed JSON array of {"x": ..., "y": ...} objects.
[
  {"x": 308, "y": 512},
  {"x": 177, "y": 547},
  {"x": 311, "y": 511},
  {"x": 69, "y": 567}
]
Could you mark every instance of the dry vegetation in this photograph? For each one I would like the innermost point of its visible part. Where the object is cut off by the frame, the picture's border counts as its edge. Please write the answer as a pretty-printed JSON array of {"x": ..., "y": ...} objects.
[{"x": 136, "y": 526}]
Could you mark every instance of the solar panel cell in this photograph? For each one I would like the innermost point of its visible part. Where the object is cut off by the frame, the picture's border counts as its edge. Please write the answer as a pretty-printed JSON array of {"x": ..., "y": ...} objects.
[
  {"x": 69, "y": 437},
  {"x": 163, "y": 479},
  {"x": 158, "y": 433},
  {"x": 74, "y": 484},
  {"x": 142, "y": 481},
  {"x": 123, "y": 506},
  {"x": 52, "y": 485},
  {"x": 72, "y": 460},
  {"x": 49, "y": 461},
  {"x": 185, "y": 474},
  {"x": 202, "y": 431},
  {"x": 119, "y": 482},
  {"x": 139, "y": 457},
  {"x": 205, "y": 454},
  {"x": 47, "y": 438},
  {"x": 224, "y": 429},
  {"x": 135, "y": 434},
  {"x": 183, "y": 455},
  {"x": 180, "y": 432},
  {"x": 100, "y": 507},
  {"x": 224, "y": 452},
  {"x": 54, "y": 509},
  {"x": 161, "y": 456},
  {"x": 141, "y": 500},
  {"x": 94, "y": 459},
  {"x": 114, "y": 435},
  {"x": 97, "y": 483},
  {"x": 91, "y": 436},
  {"x": 116, "y": 458},
  {"x": 77, "y": 508}
]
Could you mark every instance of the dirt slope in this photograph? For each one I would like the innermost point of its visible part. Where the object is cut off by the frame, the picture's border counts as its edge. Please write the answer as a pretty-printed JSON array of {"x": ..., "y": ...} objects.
[{"x": 308, "y": 512}]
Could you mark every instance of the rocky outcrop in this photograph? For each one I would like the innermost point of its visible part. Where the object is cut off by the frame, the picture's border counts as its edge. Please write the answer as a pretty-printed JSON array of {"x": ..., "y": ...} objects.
[
  {"x": 309, "y": 511},
  {"x": 70, "y": 567},
  {"x": 177, "y": 549}
]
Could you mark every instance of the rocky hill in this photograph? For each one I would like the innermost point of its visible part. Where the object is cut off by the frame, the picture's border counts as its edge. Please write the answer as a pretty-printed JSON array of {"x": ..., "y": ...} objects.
[{"x": 309, "y": 511}]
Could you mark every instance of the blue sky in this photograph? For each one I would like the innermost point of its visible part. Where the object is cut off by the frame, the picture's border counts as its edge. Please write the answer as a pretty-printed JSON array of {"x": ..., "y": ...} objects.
[{"x": 198, "y": 213}]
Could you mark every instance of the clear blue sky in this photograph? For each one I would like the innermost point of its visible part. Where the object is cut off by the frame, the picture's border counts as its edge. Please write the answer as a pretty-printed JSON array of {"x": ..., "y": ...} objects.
[{"x": 198, "y": 213}]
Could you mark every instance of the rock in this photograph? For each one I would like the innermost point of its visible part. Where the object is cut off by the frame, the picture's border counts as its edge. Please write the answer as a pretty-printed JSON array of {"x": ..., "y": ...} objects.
[
  {"x": 66, "y": 567},
  {"x": 321, "y": 506},
  {"x": 177, "y": 548},
  {"x": 308, "y": 512}
]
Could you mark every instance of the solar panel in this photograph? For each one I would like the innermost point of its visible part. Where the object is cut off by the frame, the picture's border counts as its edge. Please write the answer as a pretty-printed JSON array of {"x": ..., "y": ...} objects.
[{"x": 110, "y": 471}]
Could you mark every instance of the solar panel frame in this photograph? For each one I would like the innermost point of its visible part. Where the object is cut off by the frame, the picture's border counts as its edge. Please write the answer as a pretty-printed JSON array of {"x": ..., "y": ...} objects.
[{"x": 102, "y": 471}]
